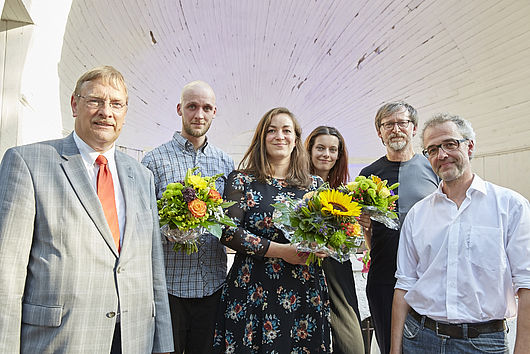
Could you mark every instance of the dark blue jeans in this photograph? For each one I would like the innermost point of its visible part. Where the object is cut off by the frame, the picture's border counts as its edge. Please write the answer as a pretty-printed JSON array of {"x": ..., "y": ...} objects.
[{"x": 421, "y": 340}]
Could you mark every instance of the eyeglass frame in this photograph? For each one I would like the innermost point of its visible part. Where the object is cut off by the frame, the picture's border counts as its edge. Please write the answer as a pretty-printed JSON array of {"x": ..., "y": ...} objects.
[
  {"x": 398, "y": 123},
  {"x": 102, "y": 102},
  {"x": 440, "y": 146}
]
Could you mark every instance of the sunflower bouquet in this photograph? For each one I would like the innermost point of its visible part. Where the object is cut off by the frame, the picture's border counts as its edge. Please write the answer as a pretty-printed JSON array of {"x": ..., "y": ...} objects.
[
  {"x": 190, "y": 207},
  {"x": 322, "y": 221},
  {"x": 376, "y": 198}
]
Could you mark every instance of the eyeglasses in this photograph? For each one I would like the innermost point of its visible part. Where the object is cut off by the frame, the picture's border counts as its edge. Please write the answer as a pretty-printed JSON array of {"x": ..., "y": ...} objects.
[
  {"x": 447, "y": 146},
  {"x": 402, "y": 124},
  {"x": 95, "y": 102}
]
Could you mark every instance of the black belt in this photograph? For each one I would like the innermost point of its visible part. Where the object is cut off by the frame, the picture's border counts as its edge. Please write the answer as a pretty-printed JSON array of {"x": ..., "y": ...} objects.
[{"x": 457, "y": 330}]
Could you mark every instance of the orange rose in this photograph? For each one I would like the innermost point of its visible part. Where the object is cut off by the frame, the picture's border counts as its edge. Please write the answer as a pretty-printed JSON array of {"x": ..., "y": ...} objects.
[
  {"x": 197, "y": 208},
  {"x": 214, "y": 195}
]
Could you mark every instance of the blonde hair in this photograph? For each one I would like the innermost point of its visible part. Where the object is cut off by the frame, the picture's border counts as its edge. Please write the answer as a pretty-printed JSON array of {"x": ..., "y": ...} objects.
[{"x": 107, "y": 74}]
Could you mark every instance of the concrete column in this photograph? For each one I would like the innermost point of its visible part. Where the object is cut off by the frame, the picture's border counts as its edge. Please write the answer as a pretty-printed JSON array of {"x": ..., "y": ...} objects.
[{"x": 32, "y": 42}]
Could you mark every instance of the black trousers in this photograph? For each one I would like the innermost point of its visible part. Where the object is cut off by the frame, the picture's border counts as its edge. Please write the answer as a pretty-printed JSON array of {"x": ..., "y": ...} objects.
[
  {"x": 380, "y": 297},
  {"x": 194, "y": 323}
]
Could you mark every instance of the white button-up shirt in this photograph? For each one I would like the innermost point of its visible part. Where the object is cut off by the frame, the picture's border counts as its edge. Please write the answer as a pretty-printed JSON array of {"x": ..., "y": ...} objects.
[{"x": 465, "y": 264}]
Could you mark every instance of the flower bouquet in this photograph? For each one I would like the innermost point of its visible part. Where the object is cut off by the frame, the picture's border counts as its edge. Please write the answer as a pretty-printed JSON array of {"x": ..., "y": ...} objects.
[
  {"x": 190, "y": 207},
  {"x": 375, "y": 198},
  {"x": 322, "y": 221}
]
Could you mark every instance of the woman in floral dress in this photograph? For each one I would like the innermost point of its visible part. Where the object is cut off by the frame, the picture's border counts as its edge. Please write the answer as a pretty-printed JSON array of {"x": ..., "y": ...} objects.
[{"x": 271, "y": 302}]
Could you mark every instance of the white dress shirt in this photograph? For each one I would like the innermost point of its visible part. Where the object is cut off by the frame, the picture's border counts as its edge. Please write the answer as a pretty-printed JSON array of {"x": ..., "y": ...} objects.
[
  {"x": 465, "y": 264},
  {"x": 89, "y": 156}
]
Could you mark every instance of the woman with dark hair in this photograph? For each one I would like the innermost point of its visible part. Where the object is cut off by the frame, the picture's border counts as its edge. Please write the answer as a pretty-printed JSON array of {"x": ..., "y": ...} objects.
[
  {"x": 328, "y": 155},
  {"x": 329, "y": 160},
  {"x": 271, "y": 302}
]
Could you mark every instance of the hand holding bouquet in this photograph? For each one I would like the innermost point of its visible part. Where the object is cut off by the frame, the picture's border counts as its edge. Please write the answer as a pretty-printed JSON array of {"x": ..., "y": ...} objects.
[
  {"x": 189, "y": 207},
  {"x": 323, "y": 221},
  {"x": 376, "y": 198}
]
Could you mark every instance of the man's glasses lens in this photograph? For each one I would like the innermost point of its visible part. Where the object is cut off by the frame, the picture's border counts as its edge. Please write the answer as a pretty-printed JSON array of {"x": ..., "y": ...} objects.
[
  {"x": 402, "y": 124},
  {"x": 93, "y": 102},
  {"x": 449, "y": 145}
]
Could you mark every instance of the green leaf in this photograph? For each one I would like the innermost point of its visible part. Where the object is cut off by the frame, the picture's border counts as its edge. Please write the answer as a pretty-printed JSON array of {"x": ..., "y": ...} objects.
[
  {"x": 225, "y": 205},
  {"x": 226, "y": 220},
  {"x": 215, "y": 229}
]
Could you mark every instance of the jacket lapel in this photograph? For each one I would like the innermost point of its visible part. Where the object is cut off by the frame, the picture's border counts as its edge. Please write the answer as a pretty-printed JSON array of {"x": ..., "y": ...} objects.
[
  {"x": 130, "y": 190},
  {"x": 75, "y": 171}
]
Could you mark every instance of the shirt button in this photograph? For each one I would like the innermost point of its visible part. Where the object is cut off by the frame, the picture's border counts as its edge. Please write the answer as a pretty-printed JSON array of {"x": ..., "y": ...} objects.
[{"x": 110, "y": 314}]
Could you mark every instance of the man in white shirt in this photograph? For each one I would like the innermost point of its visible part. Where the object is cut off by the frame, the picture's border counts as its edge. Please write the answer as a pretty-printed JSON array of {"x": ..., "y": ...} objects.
[{"x": 463, "y": 256}]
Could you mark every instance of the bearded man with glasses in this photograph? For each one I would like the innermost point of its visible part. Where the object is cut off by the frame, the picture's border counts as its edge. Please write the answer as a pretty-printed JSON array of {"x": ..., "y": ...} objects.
[
  {"x": 463, "y": 256},
  {"x": 395, "y": 123}
]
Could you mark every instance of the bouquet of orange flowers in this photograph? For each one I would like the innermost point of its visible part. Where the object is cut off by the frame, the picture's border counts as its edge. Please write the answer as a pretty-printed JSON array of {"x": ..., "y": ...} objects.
[
  {"x": 322, "y": 221},
  {"x": 191, "y": 207}
]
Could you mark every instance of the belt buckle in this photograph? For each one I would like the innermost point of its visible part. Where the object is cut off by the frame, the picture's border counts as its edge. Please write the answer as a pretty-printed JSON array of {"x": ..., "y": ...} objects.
[
  {"x": 472, "y": 332},
  {"x": 439, "y": 334}
]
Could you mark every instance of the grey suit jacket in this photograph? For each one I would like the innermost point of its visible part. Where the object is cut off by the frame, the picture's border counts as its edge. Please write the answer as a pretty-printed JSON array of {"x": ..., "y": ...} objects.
[{"x": 62, "y": 281}]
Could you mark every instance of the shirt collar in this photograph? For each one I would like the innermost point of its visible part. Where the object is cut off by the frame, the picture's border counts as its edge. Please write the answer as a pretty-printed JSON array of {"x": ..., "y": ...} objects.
[
  {"x": 89, "y": 155},
  {"x": 478, "y": 184},
  {"x": 186, "y": 144}
]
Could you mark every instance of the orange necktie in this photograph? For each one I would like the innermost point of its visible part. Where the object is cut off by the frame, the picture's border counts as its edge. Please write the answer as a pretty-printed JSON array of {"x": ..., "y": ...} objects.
[{"x": 106, "y": 196}]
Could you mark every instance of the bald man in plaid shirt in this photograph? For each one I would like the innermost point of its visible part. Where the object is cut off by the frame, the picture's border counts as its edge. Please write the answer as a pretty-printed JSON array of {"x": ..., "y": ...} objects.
[{"x": 193, "y": 281}]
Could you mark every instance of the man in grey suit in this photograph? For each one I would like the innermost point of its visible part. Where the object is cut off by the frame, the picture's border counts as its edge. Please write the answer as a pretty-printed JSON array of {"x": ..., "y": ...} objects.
[{"x": 72, "y": 280}]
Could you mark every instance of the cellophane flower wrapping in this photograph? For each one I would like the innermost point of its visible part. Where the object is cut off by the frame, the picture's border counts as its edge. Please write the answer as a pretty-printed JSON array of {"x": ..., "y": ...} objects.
[
  {"x": 191, "y": 207},
  {"x": 185, "y": 240},
  {"x": 322, "y": 221},
  {"x": 376, "y": 199}
]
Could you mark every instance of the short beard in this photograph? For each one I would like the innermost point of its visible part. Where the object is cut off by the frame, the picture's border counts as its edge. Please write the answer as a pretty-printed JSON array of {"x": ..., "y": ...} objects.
[
  {"x": 196, "y": 133},
  {"x": 398, "y": 145},
  {"x": 450, "y": 176}
]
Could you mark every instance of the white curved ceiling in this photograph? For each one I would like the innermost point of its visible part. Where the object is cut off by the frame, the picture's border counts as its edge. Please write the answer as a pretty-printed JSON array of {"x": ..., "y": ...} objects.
[{"x": 330, "y": 62}]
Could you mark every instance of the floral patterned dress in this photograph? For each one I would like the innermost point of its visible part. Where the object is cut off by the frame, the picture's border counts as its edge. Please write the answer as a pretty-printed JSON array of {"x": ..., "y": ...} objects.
[{"x": 268, "y": 305}]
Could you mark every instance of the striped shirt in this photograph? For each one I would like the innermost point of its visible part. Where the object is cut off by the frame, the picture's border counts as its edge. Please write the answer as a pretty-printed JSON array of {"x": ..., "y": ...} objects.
[{"x": 202, "y": 273}]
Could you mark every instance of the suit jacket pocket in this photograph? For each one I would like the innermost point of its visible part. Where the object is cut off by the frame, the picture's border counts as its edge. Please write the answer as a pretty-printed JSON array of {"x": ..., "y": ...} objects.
[{"x": 42, "y": 315}]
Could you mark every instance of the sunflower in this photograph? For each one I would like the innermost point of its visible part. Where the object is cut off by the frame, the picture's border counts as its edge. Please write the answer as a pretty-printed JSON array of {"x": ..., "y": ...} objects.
[{"x": 338, "y": 203}]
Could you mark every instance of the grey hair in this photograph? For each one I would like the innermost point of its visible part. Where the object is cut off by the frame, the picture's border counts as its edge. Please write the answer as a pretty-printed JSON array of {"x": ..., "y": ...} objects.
[
  {"x": 392, "y": 107},
  {"x": 462, "y": 125}
]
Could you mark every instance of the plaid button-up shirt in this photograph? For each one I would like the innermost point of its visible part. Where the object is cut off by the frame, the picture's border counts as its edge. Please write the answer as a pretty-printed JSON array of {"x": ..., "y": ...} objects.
[{"x": 199, "y": 274}]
